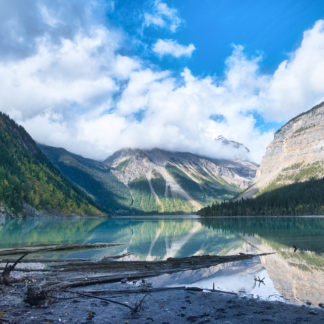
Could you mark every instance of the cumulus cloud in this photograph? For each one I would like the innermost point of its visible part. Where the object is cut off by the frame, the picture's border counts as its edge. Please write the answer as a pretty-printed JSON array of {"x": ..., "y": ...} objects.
[
  {"x": 298, "y": 83},
  {"x": 177, "y": 116},
  {"x": 71, "y": 73},
  {"x": 162, "y": 16},
  {"x": 171, "y": 47},
  {"x": 70, "y": 85},
  {"x": 22, "y": 23}
]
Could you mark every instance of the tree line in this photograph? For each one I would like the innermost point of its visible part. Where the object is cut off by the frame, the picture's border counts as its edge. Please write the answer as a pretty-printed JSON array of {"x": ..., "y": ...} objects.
[{"x": 303, "y": 198}]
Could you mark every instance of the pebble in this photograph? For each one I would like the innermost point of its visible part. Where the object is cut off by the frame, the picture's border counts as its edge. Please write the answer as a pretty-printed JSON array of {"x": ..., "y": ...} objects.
[{"x": 312, "y": 312}]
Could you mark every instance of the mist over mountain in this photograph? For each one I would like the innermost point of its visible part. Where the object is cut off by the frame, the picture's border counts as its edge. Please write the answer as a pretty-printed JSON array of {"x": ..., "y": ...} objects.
[{"x": 235, "y": 149}]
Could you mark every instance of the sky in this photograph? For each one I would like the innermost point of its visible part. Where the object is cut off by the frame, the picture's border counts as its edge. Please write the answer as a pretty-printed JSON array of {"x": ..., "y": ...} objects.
[{"x": 95, "y": 76}]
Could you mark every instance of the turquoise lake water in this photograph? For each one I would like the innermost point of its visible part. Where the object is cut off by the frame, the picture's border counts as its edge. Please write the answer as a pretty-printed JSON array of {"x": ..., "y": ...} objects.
[{"x": 289, "y": 276}]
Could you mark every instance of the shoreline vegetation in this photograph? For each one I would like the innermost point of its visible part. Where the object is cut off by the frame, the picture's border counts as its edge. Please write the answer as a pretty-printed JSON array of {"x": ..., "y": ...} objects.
[
  {"x": 298, "y": 199},
  {"x": 38, "y": 291}
]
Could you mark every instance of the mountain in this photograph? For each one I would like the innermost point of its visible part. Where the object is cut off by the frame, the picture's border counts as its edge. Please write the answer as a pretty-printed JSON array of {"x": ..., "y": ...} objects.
[
  {"x": 290, "y": 179},
  {"x": 233, "y": 144},
  {"x": 92, "y": 177},
  {"x": 29, "y": 182},
  {"x": 296, "y": 153},
  {"x": 134, "y": 181}
]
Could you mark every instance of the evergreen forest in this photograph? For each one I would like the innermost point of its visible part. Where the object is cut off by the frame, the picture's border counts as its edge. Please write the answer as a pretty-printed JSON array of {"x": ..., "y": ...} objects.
[
  {"x": 301, "y": 198},
  {"x": 28, "y": 178}
]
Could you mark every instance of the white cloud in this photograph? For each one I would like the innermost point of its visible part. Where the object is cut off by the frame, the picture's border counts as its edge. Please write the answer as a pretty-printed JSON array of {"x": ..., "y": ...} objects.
[
  {"x": 70, "y": 86},
  {"x": 175, "y": 118},
  {"x": 171, "y": 47},
  {"x": 162, "y": 16},
  {"x": 75, "y": 72},
  {"x": 298, "y": 83},
  {"x": 22, "y": 23}
]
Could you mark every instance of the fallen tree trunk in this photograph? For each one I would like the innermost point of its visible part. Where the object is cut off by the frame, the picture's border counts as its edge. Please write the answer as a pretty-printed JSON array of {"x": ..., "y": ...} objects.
[
  {"x": 44, "y": 260},
  {"x": 55, "y": 247},
  {"x": 150, "y": 290},
  {"x": 5, "y": 276},
  {"x": 47, "y": 260},
  {"x": 172, "y": 264},
  {"x": 134, "y": 270},
  {"x": 82, "y": 274}
]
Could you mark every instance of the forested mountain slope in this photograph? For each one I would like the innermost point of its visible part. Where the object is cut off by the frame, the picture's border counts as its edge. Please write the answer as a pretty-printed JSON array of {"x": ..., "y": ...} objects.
[
  {"x": 93, "y": 177},
  {"x": 297, "y": 199},
  {"x": 28, "y": 179}
]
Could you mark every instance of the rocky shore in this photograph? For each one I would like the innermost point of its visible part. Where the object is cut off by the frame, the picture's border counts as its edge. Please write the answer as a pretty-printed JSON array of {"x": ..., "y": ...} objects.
[
  {"x": 178, "y": 305},
  {"x": 35, "y": 290}
]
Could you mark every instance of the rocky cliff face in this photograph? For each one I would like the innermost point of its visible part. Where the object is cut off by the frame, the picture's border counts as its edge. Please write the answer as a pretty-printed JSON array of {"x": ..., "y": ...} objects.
[{"x": 295, "y": 154}]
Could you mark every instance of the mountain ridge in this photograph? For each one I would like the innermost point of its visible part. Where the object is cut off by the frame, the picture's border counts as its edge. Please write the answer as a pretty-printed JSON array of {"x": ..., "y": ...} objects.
[{"x": 156, "y": 180}]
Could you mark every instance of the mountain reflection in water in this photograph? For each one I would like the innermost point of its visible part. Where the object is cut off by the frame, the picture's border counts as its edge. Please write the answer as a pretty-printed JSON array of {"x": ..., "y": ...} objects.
[{"x": 294, "y": 276}]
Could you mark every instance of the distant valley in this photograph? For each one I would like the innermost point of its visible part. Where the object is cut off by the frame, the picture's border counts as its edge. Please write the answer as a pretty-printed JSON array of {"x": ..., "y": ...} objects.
[{"x": 134, "y": 181}]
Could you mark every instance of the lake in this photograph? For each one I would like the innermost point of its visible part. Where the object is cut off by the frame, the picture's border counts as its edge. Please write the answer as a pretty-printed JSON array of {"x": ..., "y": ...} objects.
[{"x": 290, "y": 276}]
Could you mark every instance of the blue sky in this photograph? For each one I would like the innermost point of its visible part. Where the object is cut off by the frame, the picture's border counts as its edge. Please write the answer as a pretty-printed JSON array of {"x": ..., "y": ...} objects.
[
  {"x": 271, "y": 28},
  {"x": 96, "y": 76}
]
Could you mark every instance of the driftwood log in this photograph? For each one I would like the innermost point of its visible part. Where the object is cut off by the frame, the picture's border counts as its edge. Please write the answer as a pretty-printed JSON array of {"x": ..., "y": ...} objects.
[
  {"x": 5, "y": 276},
  {"x": 169, "y": 265},
  {"x": 85, "y": 273},
  {"x": 57, "y": 261},
  {"x": 134, "y": 270},
  {"x": 55, "y": 247}
]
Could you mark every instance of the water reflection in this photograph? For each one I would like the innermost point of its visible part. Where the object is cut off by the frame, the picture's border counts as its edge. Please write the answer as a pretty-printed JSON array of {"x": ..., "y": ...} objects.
[
  {"x": 295, "y": 276},
  {"x": 147, "y": 239},
  {"x": 238, "y": 277}
]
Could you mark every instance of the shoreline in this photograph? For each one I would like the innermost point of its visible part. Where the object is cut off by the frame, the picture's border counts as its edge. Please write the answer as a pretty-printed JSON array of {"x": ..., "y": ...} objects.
[
  {"x": 177, "y": 305},
  {"x": 78, "y": 291},
  {"x": 150, "y": 217}
]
